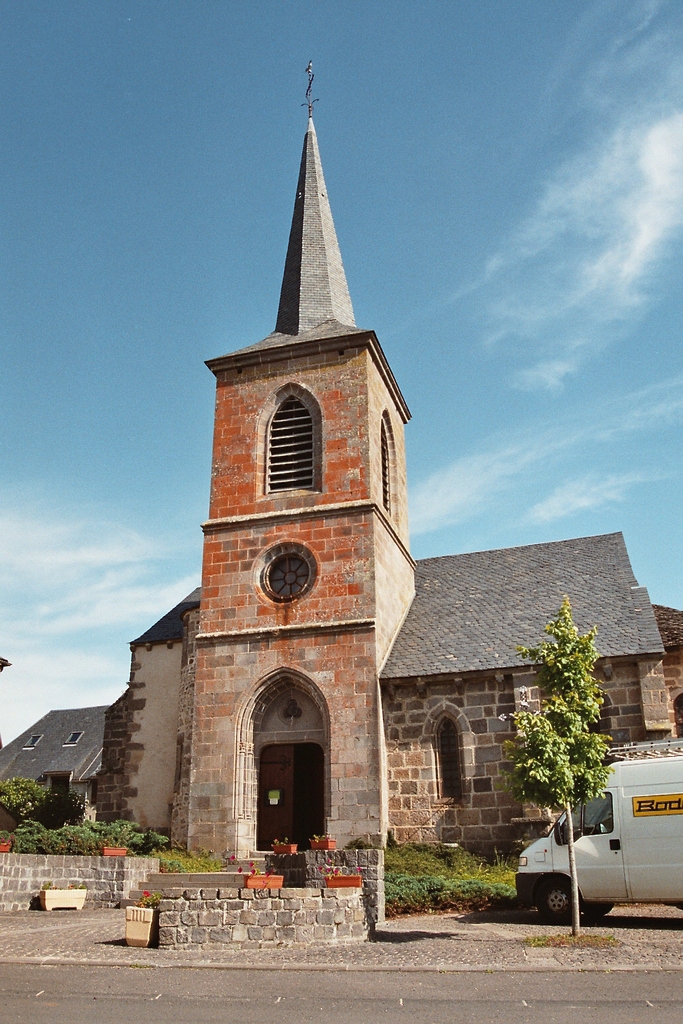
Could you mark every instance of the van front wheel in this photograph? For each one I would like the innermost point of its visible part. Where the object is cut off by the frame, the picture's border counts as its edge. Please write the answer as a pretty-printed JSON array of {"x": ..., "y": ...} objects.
[{"x": 554, "y": 900}]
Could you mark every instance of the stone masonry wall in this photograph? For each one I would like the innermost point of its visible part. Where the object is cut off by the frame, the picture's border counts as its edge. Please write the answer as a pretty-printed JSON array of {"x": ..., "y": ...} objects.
[
  {"x": 111, "y": 779},
  {"x": 108, "y": 879},
  {"x": 303, "y": 871},
  {"x": 413, "y": 711},
  {"x": 485, "y": 818},
  {"x": 183, "y": 739},
  {"x": 261, "y": 917},
  {"x": 673, "y": 675}
]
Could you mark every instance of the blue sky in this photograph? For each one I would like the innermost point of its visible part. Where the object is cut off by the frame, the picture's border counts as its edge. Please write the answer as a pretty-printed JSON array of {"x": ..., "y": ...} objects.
[{"x": 506, "y": 180}]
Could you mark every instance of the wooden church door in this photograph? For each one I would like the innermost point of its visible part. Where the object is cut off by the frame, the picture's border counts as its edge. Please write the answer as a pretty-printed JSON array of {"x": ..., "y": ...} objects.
[{"x": 290, "y": 794}]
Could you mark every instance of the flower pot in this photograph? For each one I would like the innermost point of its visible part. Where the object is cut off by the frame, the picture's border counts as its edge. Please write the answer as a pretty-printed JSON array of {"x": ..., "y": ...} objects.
[
  {"x": 344, "y": 881},
  {"x": 142, "y": 926},
  {"x": 62, "y": 899},
  {"x": 323, "y": 844},
  {"x": 265, "y": 881},
  {"x": 5, "y": 846},
  {"x": 285, "y": 848},
  {"x": 114, "y": 851}
]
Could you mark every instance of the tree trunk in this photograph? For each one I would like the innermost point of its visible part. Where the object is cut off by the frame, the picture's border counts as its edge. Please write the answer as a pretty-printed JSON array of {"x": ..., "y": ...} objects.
[{"x": 576, "y": 920}]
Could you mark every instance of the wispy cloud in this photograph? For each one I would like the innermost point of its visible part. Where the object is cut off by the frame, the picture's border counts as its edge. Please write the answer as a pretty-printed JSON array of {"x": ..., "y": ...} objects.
[
  {"x": 591, "y": 491},
  {"x": 72, "y": 593},
  {"x": 458, "y": 491},
  {"x": 581, "y": 268}
]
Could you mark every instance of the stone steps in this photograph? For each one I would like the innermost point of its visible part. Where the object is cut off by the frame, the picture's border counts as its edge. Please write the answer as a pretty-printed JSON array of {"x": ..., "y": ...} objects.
[{"x": 231, "y": 879}]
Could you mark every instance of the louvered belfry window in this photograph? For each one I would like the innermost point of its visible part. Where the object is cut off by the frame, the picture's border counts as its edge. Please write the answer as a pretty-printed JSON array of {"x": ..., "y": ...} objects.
[
  {"x": 290, "y": 461},
  {"x": 386, "y": 470},
  {"x": 449, "y": 761}
]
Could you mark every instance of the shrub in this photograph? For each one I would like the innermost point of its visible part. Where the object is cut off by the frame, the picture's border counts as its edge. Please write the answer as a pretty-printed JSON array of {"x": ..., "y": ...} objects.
[
  {"x": 178, "y": 859},
  {"x": 26, "y": 800},
  {"x": 88, "y": 838},
  {"x": 410, "y": 894},
  {"x": 21, "y": 797}
]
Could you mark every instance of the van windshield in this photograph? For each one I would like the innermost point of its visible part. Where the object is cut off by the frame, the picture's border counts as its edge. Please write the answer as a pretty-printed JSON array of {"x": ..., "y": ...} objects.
[{"x": 596, "y": 818}]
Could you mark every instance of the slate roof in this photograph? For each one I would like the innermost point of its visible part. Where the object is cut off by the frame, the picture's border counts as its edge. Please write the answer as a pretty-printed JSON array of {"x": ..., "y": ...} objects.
[
  {"x": 470, "y": 611},
  {"x": 670, "y": 622},
  {"x": 170, "y": 625},
  {"x": 314, "y": 285},
  {"x": 50, "y": 755}
]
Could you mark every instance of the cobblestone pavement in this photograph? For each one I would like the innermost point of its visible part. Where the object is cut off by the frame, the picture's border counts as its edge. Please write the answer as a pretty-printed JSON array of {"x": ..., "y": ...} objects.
[{"x": 649, "y": 937}]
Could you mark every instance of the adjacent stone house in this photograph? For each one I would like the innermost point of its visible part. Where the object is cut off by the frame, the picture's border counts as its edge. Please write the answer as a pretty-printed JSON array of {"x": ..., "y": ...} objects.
[
  {"x": 62, "y": 750},
  {"x": 322, "y": 680}
]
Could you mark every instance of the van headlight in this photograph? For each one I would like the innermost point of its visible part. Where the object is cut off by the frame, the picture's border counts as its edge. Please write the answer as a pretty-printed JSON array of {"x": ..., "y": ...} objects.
[{"x": 522, "y": 862}]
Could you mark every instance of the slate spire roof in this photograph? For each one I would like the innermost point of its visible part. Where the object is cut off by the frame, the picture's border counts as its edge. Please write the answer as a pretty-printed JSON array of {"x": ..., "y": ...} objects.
[{"x": 314, "y": 288}]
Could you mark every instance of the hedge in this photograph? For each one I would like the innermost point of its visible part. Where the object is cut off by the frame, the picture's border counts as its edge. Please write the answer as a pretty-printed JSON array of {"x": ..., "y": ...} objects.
[{"x": 85, "y": 839}]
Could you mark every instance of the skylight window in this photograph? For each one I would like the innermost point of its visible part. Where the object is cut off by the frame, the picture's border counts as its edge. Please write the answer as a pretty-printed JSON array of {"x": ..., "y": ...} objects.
[
  {"x": 73, "y": 739},
  {"x": 32, "y": 741}
]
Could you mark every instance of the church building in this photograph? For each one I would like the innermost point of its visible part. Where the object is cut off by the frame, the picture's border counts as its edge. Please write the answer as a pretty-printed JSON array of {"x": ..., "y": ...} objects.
[{"x": 320, "y": 680}]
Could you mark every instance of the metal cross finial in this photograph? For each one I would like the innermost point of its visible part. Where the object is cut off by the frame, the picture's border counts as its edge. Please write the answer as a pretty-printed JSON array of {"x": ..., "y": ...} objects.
[{"x": 309, "y": 102}]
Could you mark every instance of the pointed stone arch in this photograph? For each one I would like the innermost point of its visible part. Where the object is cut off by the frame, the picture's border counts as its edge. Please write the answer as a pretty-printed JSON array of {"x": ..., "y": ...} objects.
[
  {"x": 444, "y": 711},
  {"x": 291, "y": 390},
  {"x": 284, "y": 707},
  {"x": 387, "y": 463}
]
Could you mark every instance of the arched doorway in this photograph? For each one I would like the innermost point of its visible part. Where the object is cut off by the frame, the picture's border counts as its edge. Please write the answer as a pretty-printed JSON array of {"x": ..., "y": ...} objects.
[
  {"x": 291, "y": 793},
  {"x": 291, "y": 763}
]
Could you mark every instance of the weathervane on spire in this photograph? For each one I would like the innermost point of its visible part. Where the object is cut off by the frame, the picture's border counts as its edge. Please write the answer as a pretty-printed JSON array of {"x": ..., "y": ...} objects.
[{"x": 309, "y": 102}]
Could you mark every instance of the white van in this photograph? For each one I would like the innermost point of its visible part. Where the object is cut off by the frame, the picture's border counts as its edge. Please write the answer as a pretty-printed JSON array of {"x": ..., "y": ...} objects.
[{"x": 629, "y": 841}]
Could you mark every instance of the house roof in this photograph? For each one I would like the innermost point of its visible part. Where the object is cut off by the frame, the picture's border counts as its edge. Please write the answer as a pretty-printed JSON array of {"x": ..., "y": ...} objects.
[
  {"x": 170, "y": 625},
  {"x": 670, "y": 622},
  {"x": 49, "y": 755},
  {"x": 471, "y": 611}
]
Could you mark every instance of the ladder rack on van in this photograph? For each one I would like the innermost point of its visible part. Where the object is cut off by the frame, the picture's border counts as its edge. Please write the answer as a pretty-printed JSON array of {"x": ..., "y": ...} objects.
[{"x": 646, "y": 750}]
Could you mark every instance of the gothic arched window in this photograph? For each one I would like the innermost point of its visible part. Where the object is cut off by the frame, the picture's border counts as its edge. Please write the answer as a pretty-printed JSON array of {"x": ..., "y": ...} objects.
[
  {"x": 678, "y": 712},
  {"x": 386, "y": 468},
  {"x": 291, "y": 449},
  {"x": 450, "y": 781}
]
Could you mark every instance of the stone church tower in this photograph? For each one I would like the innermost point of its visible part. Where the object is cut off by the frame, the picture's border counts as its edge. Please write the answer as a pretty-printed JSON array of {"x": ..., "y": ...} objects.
[{"x": 307, "y": 575}]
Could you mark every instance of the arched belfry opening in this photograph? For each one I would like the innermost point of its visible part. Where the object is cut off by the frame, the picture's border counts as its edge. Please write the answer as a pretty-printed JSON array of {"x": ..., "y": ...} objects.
[{"x": 290, "y": 763}]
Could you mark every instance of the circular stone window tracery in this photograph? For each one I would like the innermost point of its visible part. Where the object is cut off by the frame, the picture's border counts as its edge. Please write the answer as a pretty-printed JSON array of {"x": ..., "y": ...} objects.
[{"x": 288, "y": 575}]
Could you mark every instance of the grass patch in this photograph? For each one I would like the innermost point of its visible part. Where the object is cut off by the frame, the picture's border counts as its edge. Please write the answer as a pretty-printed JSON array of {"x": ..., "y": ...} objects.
[
  {"x": 181, "y": 860},
  {"x": 439, "y": 861},
  {"x": 579, "y": 941}
]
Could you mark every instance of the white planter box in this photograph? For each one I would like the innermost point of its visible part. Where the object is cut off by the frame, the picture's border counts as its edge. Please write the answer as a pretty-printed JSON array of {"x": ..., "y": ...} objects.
[
  {"x": 62, "y": 899},
  {"x": 142, "y": 926}
]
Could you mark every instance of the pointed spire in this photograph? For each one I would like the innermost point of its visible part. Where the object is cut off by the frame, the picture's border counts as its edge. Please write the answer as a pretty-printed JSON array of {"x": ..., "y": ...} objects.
[{"x": 314, "y": 287}]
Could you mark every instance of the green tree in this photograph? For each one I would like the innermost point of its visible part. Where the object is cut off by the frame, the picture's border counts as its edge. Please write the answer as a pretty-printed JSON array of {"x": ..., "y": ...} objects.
[
  {"x": 556, "y": 760},
  {"x": 27, "y": 800},
  {"x": 22, "y": 798}
]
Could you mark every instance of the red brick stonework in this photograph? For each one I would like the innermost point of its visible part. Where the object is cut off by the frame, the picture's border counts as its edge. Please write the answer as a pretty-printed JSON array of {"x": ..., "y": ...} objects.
[{"x": 328, "y": 645}]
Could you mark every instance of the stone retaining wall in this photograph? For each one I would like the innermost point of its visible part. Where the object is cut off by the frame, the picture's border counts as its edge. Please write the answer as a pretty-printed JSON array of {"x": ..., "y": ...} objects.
[
  {"x": 109, "y": 879},
  {"x": 303, "y": 870},
  {"x": 261, "y": 917}
]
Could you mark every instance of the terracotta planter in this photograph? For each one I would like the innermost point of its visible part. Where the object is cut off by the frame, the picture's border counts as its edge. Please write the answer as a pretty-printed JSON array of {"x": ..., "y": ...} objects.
[
  {"x": 323, "y": 844},
  {"x": 344, "y": 881},
  {"x": 62, "y": 899},
  {"x": 115, "y": 851},
  {"x": 142, "y": 926},
  {"x": 286, "y": 848},
  {"x": 265, "y": 881},
  {"x": 5, "y": 846}
]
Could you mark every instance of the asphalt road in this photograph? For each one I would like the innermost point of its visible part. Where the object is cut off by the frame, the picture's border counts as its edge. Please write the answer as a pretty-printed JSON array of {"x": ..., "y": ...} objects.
[{"x": 102, "y": 995}]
